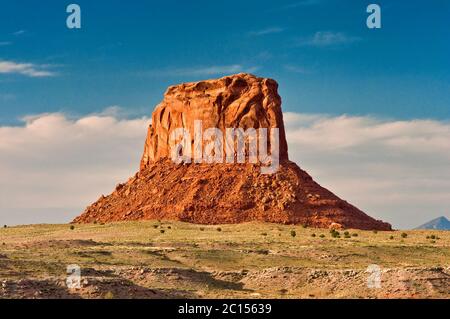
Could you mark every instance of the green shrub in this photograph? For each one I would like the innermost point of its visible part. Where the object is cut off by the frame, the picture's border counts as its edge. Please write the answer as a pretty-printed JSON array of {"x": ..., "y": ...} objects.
[
  {"x": 375, "y": 231},
  {"x": 305, "y": 226},
  {"x": 404, "y": 235},
  {"x": 433, "y": 236},
  {"x": 392, "y": 237},
  {"x": 202, "y": 228},
  {"x": 109, "y": 295},
  {"x": 322, "y": 236},
  {"x": 155, "y": 226},
  {"x": 313, "y": 235},
  {"x": 293, "y": 233},
  {"x": 162, "y": 231},
  {"x": 335, "y": 234},
  {"x": 72, "y": 227},
  {"x": 346, "y": 233},
  {"x": 355, "y": 235},
  {"x": 219, "y": 229},
  {"x": 264, "y": 234}
]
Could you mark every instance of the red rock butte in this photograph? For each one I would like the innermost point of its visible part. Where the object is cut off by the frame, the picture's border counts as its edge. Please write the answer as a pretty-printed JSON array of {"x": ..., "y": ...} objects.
[{"x": 223, "y": 193}]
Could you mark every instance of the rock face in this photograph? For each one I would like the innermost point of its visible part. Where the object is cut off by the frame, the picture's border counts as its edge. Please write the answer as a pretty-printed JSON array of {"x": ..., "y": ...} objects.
[
  {"x": 241, "y": 101},
  {"x": 223, "y": 193}
]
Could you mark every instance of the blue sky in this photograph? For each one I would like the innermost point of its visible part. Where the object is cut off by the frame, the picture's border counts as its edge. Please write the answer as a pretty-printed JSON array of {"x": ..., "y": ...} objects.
[
  {"x": 320, "y": 51},
  {"x": 367, "y": 111}
]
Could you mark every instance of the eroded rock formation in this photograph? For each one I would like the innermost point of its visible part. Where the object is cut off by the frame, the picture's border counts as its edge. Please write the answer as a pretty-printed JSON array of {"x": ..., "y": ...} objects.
[
  {"x": 223, "y": 193},
  {"x": 240, "y": 101}
]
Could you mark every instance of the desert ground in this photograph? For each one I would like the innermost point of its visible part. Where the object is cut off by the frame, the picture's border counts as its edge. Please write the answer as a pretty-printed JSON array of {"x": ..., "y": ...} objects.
[{"x": 162, "y": 259}]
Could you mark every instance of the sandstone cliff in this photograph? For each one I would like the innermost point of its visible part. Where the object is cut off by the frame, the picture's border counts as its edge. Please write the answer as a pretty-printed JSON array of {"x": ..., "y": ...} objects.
[
  {"x": 241, "y": 101},
  {"x": 223, "y": 193}
]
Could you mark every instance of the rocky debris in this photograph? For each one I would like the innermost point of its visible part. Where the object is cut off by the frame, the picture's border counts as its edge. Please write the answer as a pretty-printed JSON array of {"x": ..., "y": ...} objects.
[
  {"x": 223, "y": 193},
  {"x": 290, "y": 282}
]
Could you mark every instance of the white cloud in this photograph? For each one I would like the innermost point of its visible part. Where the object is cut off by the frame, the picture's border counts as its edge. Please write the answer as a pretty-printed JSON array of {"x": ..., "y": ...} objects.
[
  {"x": 204, "y": 70},
  {"x": 53, "y": 165},
  {"x": 266, "y": 31},
  {"x": 27, "y": 69},
  {"x": 328, "y": 38},
  {"x": 394, "y": 170}
]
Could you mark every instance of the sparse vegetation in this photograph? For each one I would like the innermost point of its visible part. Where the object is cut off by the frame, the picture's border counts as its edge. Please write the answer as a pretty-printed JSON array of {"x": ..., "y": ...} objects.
[
  {"x": 202, "y": 228},
  {"x": 162, "y": 231},
  {"x": 109, "y": 295},
  {"x": 219, "y": 229},
  {"x": 355, "y": 235},
  {"x": 404, "y": 235},
  {"x": 335, "y": 233},
  {"x": 72, "y": 227},
  {"x": 293, "y": 233},
  {"x": 391, "y": 237},
  {"x": 43, "y": 251}
]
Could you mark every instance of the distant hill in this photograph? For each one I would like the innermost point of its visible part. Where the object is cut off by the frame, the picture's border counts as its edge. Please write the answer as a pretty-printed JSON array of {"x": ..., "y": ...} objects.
[{"x": 440, "y": 223}]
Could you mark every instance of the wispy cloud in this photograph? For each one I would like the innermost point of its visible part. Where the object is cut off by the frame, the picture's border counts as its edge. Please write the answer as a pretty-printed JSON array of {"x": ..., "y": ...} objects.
[
  {"x": 327, "y": 38},
  {"x": 7, "y": 97},
  {"x": 26, "y": 69},
  {"x": 303, "y": 3},
  {"x": 19, "y": 32},
  {"x": 204, "y": 70},
  {"x": 295, "y": 69},
  {"x": 4, "y": 43},
  {"x": 266, "y": 31}
]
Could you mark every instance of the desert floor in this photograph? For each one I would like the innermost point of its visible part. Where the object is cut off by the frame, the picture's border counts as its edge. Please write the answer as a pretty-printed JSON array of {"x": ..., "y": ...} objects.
[{"x": 155, "y": 259}]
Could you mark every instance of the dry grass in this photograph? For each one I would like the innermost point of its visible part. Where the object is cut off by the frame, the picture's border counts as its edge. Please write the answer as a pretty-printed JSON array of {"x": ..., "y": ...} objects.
[{"x": 44, "y": 251}]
